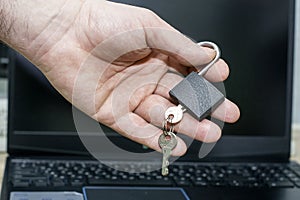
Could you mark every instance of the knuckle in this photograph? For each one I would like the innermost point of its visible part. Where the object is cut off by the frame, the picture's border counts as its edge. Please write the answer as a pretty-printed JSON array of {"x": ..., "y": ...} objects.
[{"x": 149, "y": 12}]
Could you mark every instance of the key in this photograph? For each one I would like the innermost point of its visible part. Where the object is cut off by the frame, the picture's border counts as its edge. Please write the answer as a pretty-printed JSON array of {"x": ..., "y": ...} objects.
[
  {"x": 195, "y": 94},
  {"x": 174, "y": 114},
  {"x": 167, "y": 141}
]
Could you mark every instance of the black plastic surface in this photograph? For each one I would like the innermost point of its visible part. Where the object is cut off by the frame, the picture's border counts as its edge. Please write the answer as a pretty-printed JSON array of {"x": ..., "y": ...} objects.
[
  {"x": 197, "y": 95},
  {"x": 134, "y": 193}
]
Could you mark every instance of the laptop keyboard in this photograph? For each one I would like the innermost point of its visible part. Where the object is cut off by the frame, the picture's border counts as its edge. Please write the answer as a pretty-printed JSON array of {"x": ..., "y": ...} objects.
[{"x": 53, "y": 173}]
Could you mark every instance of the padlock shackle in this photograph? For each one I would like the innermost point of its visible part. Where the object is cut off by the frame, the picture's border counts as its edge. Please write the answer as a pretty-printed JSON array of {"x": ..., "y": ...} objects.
[{"x": 215, "y": 47}]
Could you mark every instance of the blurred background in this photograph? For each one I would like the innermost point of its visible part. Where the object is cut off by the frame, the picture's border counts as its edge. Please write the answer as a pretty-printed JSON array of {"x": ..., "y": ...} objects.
[{"x": 3, "y": 96}]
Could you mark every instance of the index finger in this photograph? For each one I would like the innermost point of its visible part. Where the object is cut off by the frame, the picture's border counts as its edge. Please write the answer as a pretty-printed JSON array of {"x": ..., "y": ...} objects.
[{"x": 173, "y": 43}]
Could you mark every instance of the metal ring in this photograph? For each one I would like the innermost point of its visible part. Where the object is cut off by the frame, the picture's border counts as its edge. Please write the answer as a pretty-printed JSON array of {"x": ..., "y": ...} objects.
[
  {"x": 165, "y": 127},
  {"x": 216, "y": 58}
]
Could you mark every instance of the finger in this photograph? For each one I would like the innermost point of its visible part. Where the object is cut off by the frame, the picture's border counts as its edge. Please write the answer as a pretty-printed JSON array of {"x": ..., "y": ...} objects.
[
  {"x": 168, "y": 81},
  {"x": 144, "y": 133},
  {"x": 152, "y": 109},
  {"x": 218, "y": 72},
  {"x": 227, "y": 111},
  {"x": 171, "y": 42}
]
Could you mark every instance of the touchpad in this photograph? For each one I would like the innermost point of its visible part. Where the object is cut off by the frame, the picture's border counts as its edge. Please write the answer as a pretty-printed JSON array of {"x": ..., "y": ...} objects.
[{"x": 133, "y": 193}]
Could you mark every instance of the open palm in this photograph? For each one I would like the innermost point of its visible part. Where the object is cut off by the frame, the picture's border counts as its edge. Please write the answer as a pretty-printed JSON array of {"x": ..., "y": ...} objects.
[{"x": 117, "y": 64}]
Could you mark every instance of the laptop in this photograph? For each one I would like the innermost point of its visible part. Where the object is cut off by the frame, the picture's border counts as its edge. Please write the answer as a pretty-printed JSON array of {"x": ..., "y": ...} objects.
[{"x": 48, "y": 160}]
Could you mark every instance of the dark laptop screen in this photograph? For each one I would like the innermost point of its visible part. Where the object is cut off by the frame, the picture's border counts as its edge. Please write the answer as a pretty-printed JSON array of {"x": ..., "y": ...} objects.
[{"x": 254, "y": 37}]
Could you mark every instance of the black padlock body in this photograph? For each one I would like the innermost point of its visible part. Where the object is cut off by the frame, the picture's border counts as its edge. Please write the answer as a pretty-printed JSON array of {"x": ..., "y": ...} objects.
[{"x": 197, "y": 95}]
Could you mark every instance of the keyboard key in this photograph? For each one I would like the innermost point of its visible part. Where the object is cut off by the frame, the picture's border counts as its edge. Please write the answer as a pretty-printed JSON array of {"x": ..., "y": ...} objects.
[
  {"x": 77, "y": 182},
  {"x": 128, "y": 182},
  {"x": 182, "y": 182},
  {"x": 281, "y": 184},
  {"x": 40, "y": 182},
  {"x": 297, "y": 183},
  {"x": 200, "y": 183},
  {"x": 217, "y": 183},
  {"x": 236, "y": 183},
  {"x": 58, "y": 183},
  {"x": 254, "y": 184},
  {"x": 21, "y": 183}
]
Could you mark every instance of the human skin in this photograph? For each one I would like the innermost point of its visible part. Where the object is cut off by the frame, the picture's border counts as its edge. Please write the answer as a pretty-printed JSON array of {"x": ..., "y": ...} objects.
[{"x": 66, "y": 41}]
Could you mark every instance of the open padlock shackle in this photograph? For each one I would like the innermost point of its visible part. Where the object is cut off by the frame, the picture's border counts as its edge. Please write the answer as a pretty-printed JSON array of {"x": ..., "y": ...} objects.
[{"x": 213, "y": 46}]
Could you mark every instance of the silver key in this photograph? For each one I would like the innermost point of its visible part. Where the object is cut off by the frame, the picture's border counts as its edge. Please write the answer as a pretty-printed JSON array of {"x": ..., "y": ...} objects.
[
  {"x": 174, "y": 114},
  {"x": 167, "y": 141}
]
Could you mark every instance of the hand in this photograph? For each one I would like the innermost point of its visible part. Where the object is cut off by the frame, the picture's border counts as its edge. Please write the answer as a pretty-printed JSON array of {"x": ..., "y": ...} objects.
[{"x": 117, "y": 64}]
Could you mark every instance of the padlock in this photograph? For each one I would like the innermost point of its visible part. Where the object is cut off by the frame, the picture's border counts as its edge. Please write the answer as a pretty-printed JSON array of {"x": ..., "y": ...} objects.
[{"x": 197, "y": 95}]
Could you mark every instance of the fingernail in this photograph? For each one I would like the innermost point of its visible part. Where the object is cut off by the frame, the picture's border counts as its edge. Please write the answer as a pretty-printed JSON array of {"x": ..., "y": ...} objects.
[
  {"x": 210, "y": 53},
  {"x": 233, "y": 114},
  {"x": 213, "y": 134}
]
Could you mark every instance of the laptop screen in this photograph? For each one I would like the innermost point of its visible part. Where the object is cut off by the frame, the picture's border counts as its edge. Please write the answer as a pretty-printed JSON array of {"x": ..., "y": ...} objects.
[{"x": 256, "y": 41}]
